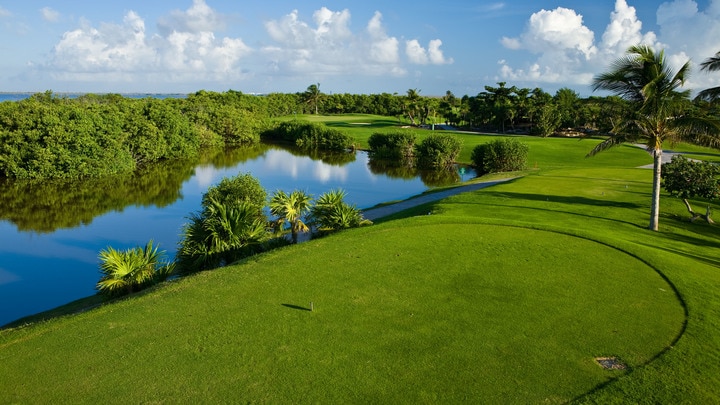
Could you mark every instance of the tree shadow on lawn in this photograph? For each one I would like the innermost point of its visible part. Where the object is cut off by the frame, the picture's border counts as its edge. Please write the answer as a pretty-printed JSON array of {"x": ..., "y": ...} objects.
[
  {"x": 373, "y": 123},
  {"x": 572, "y": 200}
]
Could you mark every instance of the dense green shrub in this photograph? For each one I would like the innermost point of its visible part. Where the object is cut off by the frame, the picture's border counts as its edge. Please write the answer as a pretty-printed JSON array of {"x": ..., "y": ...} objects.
[
  {"x": 46, "y": 136},
  {"x": 242, "y": 188},
  {"x": 685, "y": 179},
  {"x": 502, "y": 155},
  {"x": 438, "y": 151},
  {"x": 397, "y": 145},
  {"x": 309, "y": 135}
]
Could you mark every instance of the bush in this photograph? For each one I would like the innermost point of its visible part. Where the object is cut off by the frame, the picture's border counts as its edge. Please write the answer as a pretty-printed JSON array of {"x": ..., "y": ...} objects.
[
  {"x": 438, "y": 151},
  {"x": 398, "y": 145},
  {"x": 308, "y": 135},
  {"x": 243, "y": 188},
  {"x": 502, "y": 155},
  {"x": 128, "y": 271}
]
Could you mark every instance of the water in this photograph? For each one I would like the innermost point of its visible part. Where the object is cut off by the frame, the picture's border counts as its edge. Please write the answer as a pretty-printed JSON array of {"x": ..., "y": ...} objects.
[
  {"x": 22, "y": 96},
  {"x": 51, "y": 233}
]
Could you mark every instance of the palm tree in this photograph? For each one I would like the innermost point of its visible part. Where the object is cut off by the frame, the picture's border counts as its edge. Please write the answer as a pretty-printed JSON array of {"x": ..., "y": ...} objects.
[
  {"x": 291, "y": 208},
  {"x": 659, "y": 109},
  {"x": 125, "y": 272},
  {"x": 219, "y": 235},
  {"x": 331, "y": 213},
  {"x": 711, "y": 64},
  {"x": 313, "y": 96}
]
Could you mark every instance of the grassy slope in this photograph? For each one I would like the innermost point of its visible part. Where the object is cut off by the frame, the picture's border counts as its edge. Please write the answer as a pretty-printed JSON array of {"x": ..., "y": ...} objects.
[{"x": 492, "y": 297}]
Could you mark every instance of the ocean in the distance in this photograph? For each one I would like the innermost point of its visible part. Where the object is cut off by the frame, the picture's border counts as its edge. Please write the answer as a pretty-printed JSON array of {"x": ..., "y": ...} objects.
[{"x": 22, "y": 96}]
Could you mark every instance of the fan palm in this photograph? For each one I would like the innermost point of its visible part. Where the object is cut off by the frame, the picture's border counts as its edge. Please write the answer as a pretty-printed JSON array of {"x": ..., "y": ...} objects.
[
  {"x": 660, "y": 109},
  {"x": 125, "y": 272},
  {"x": 291, "y": 208},
  {"x": 219, "y": 235},
  {"x": 331, "y": 213}
]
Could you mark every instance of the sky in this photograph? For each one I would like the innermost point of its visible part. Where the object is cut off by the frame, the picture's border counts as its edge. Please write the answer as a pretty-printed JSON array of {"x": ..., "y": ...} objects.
[{"x": 182, "y": 46}]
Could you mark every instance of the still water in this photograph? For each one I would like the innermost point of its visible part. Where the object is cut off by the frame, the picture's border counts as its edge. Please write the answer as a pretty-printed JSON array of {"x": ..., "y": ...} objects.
[{"x": 51, "y": 232}]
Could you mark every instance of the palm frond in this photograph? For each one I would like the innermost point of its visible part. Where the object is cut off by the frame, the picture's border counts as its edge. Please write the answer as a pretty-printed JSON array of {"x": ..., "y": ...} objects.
[
  {"x": 712, "y": 63},
  {"x": 710, "y": 95}
]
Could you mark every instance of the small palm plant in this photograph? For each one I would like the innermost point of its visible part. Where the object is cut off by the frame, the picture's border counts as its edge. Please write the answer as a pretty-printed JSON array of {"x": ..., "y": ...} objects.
[
  {"x": 290, "y": 208},
  {"x": 331, "y": 213},
  {"x": 128, "y": 271}
]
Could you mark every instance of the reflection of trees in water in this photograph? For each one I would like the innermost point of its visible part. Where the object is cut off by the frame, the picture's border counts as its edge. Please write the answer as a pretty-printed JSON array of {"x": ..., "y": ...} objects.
[
  {"x": 329, "y": 157},
  {"x": 404, "y": 169},
  {"x": 440, "y": 177},
  {"x": 398, "y": 169},
  {"x": 50, "y": 205},
  {"x": 230, "y": 157}
]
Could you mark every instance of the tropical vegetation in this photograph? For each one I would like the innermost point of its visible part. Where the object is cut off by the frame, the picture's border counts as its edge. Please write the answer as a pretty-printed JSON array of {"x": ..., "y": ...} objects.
[
  {"x": 500, "y": 155},
  {"x": 685, "y": 179},
  {"x": 128, "y": 271},
  {"x": 290, "y": 209},
  {"x": 660, "y": 110},
  {"x": 330, "y": 213}
]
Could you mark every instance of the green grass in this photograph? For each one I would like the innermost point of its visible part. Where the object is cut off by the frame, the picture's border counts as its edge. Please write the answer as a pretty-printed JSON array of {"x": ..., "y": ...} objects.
[{"x": 504, "y": 295}]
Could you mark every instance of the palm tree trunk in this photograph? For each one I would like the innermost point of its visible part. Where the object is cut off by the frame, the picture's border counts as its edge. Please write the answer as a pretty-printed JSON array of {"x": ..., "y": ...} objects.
[{"x": 655, "y": 205}]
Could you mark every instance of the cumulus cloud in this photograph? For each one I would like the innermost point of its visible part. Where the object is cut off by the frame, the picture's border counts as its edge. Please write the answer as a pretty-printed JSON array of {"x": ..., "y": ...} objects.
[
  {"x": 198, "y": 18},
  {"x": 186, "y": 47},
  {"x": 125, "y": 52},
  {"x": 50, "y": 15},
  {"x": 568, "y": 53},
  {"x": 327, "y": 46},
  {"x": 420, "y": 56}
]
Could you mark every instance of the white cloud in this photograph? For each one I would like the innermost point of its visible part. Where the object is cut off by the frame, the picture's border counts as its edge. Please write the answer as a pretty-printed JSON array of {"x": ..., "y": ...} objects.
[
  {"x": 198, "y": 18},
  {"x": 5, "y": 13},
  {"x": 329, "y": 47},
  {"x": 420, "y": 56},
  {"x": 50, "y": 15},
  {"x": 125, "y": 52},
  {"x": 624, "y": 31},
  {"x": 186, "y": 47},
  {"x": 568, "y": 54},
  {"x": 415, "y": 52}
]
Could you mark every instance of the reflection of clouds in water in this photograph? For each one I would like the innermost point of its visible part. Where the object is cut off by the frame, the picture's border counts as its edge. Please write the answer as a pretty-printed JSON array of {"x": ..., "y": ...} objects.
[
  {"x": 284, "y": 162},
  {"x": 324, "y": 173},
  {"x": 205, "y": 175},
  {"x": 6, "y": 277},
  {"x": 300, "y": 166}
]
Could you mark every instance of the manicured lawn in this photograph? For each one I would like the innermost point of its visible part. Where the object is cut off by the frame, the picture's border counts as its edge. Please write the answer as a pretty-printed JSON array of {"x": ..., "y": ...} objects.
[{"x": 504, "y": 295}]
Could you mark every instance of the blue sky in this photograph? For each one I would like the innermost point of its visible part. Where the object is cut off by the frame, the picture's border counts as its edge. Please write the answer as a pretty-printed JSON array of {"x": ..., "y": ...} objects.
[{"x": 356, "y": 47}]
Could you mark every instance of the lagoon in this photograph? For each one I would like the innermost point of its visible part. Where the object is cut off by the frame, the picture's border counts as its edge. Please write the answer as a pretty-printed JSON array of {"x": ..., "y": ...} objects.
[{"x": 51, "y": 232}]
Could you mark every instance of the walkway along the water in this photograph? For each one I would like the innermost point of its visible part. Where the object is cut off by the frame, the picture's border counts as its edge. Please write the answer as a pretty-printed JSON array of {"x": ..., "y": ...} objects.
[{"x": 379, "y": 212}]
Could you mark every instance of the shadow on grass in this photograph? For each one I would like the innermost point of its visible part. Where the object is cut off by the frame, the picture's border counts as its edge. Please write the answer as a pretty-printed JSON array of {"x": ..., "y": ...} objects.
[
  {"x": 372, "y": 124},
  {"x": 562, "y": 199},
  {"x": 291, "y": 306}
]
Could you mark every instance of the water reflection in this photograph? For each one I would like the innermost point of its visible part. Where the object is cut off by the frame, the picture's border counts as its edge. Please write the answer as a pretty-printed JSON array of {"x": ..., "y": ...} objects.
[{"x": 51, "y": 232}]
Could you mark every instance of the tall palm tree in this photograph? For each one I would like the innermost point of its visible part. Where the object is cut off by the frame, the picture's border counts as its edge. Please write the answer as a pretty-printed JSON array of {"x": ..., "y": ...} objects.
[
  {"x": 660, "y": 109},
  {"x": 291, "y": 208},
  {"x": 313, "y": 96},
  {"x": 711, "y": 64}
]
